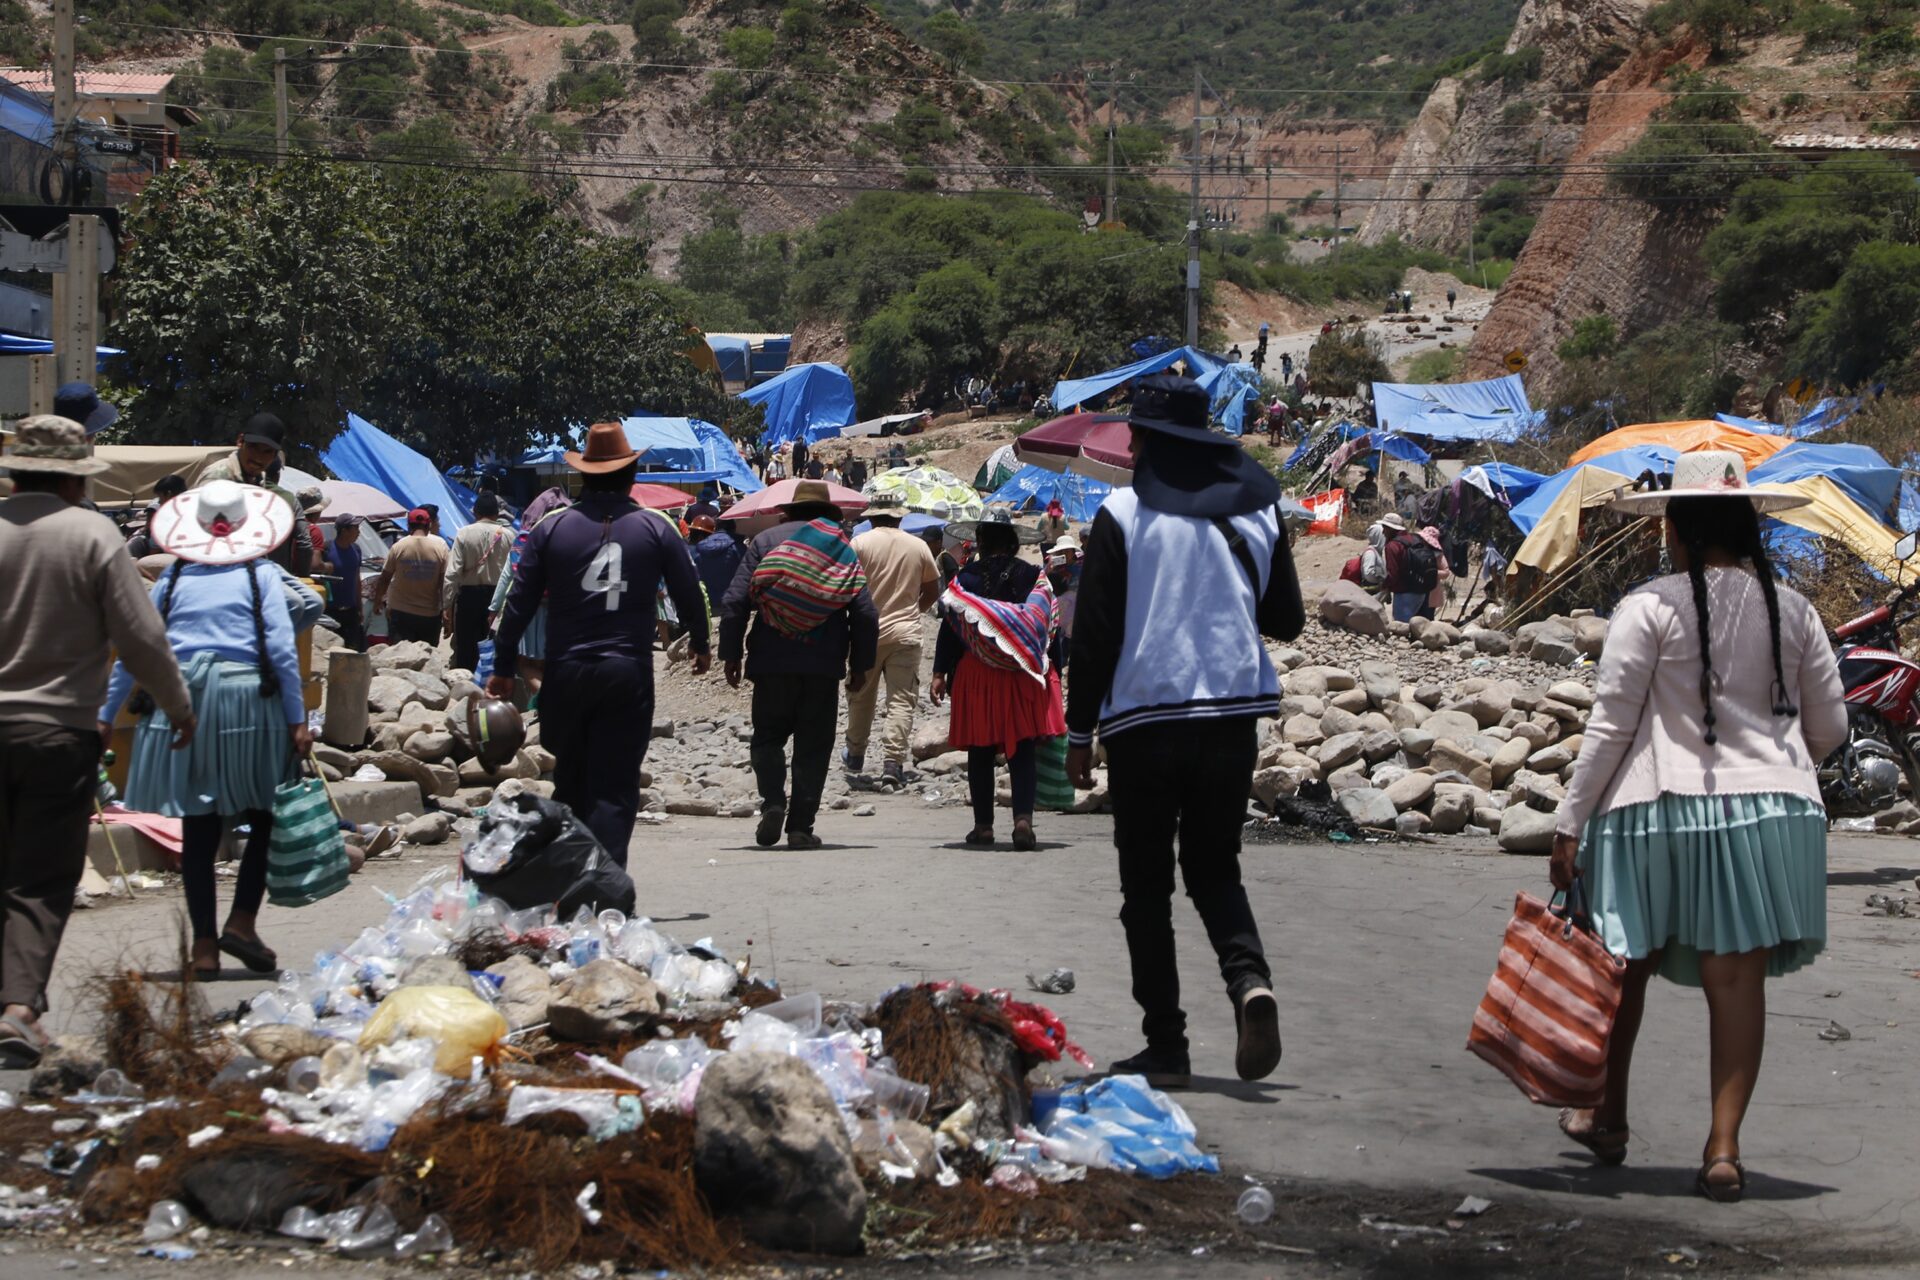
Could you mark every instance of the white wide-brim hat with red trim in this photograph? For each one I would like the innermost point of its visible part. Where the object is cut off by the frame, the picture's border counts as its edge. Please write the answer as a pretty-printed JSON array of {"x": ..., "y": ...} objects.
[
  {"x": 1709, "y": 473},
  {"x": 222, "y": 523}
]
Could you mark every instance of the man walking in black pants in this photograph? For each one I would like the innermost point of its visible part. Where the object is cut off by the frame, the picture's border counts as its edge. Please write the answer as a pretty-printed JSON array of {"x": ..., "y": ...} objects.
[
  {"x": 474, "y": 566},
  {"x": 599, "y": 564},
  {"x": 796, "y": 669},
  {"x": 1184, "y": 573}
]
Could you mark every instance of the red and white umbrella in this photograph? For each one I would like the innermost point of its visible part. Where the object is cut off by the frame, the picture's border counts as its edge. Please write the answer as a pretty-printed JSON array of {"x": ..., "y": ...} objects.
[
  {"x": 780, "y": 494},
  {"x": 1089, "y": 444},
  {"x": 661, "y": 497}
]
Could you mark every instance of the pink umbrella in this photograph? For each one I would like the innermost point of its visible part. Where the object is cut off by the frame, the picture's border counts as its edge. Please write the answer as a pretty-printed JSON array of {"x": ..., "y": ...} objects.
[
  {"x": 780, "y": 494},
  {"x": 1089, "y": 444},
  {"x": 660, "y": 497}
]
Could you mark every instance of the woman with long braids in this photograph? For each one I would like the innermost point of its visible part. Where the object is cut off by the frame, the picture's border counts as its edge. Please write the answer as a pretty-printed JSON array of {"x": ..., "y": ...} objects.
[
  {"x": 1693, "y": 822},
  {"x": 999, "y": 653},
  {"x": 230, "y": 627}
]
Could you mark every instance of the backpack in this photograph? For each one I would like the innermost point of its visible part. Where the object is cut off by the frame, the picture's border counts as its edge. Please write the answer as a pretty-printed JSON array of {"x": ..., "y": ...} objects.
[{"x": 1420, "y": 567}]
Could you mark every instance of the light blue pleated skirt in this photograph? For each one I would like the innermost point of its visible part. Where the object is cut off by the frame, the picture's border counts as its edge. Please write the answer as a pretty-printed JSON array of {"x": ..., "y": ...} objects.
[
  {"x": 239, "y": 753},
  {"x": 533, "y": 641},
  {"x": 1687, "y": 875}
]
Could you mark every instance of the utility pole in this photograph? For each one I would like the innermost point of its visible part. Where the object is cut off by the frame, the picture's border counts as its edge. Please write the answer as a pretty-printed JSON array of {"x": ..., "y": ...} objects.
[
  {"x": 1193, "y": 225},
  {"x": 63, "y": 94},
  {"x": 279, "y": 104},
  {"x": 1339, "y": 154},
  {"x": 1113, "y": 110},
  {"x": 1268, "y": 221}
]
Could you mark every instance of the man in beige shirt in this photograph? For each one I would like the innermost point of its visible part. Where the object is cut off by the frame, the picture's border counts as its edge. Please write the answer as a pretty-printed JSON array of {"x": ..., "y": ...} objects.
[
  {"x": 415, "y": 569},
  {"x": 904, "y": 582},
  {"x": 474, "y": 567},
  {"x": 69, "y": 597}
]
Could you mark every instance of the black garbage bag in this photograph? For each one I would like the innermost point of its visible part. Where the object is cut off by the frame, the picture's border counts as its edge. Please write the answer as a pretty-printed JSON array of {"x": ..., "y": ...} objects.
[{"x": 553, "y": 858}]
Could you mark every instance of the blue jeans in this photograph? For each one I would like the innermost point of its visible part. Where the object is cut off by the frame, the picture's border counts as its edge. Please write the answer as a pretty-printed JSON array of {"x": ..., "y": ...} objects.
[{"x": 1408, "y": 605}]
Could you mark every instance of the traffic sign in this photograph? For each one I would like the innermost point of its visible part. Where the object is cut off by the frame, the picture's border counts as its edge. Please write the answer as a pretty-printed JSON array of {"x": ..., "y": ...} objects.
[{"x": 1516, "y": 360}]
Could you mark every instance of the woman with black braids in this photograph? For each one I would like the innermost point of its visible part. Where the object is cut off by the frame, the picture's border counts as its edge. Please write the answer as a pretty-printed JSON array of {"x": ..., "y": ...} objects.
[
  {"x": 1693, "y": 821},
  {"x": 230, "y": 626}
]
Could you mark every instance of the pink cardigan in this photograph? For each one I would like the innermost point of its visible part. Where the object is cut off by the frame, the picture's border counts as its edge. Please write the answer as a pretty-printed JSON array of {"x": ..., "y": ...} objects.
[{"x": 1647, "y": 732}]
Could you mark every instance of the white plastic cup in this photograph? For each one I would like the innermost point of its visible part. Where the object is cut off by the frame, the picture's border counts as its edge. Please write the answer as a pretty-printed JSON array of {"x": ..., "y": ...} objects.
[{"x": 1255, "y": 1206}]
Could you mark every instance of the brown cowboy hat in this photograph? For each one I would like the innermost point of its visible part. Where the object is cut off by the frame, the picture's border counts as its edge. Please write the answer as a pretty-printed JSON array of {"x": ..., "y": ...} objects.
[{"x": 608, "y": 449}]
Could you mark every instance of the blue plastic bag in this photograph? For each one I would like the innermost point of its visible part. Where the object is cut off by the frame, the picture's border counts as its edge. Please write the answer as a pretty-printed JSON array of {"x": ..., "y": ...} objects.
[{"x": 1136, "y": 1128}]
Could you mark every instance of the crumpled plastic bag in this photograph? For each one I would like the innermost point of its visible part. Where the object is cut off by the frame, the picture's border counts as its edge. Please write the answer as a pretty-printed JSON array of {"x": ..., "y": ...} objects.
[
  {"x": 1123, "y": 1123},
  {"x": 460, "y": 1023}
]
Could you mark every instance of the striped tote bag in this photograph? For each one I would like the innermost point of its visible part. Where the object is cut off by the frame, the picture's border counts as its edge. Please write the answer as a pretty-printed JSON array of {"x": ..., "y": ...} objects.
[
  {"x": 307, "y": 858},
  {"x": 1548, "y": 1012}
]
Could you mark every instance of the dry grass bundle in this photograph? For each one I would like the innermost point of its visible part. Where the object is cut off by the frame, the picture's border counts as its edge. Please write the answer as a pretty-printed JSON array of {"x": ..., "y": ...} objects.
[
  {"x": 489, "y": 947},
  {"x": 516, "y": 1189},
  {"x": 926, "y": 1033},
  {"x": 1103, "y": 1207},
  {"x": 160, "y": 1034}
]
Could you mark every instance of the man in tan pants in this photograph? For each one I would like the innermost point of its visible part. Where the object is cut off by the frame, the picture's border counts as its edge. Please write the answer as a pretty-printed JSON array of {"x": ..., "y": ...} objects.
[{"x": 904, "y": 582}]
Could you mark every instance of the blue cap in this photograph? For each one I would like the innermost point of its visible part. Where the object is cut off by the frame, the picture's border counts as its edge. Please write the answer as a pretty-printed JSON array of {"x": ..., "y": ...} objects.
[{"x": 79, "y": 402}]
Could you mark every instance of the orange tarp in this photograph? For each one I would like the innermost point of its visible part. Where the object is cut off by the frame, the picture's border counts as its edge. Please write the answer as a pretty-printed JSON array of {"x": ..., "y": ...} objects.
[{"x": 1687, "y": 437}]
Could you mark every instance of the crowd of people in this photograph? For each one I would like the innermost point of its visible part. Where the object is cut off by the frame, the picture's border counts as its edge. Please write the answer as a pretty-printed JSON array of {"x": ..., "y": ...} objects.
[{"x": 1692, "y": 822}]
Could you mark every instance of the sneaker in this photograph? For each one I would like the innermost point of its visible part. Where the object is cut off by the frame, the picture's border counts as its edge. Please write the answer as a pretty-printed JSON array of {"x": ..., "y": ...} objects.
[
  {"x": 854, "y": 763},
  {"x": 772, "y": 818},
  {"x": 1163, "y": 1068},
  {"x": 802, "y": 840},
  {"x": 1256, "y": 1017}
]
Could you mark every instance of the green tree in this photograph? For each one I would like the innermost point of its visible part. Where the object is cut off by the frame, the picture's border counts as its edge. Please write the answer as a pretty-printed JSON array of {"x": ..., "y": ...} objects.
[
  {"x": 1345, "y": 359},
  {"x": 1867, "y": 322},
  {"x": 1594, "y": 337},
  {"x": 748, "y": 48},
  {"x": 1695, "y": 153},
  {"x": 953, "y": 39},
  {"x": 251, "y": 288}
]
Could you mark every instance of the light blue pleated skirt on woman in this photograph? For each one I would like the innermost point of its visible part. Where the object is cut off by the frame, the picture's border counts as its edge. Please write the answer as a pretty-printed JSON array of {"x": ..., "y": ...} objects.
[
  {"x": 239, "y": 754},
  {"x": 1687, "y": 875}
]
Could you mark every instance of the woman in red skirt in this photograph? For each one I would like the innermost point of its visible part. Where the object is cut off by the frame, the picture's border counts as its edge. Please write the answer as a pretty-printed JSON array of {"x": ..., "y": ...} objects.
[{"x": 998, "y": 653}]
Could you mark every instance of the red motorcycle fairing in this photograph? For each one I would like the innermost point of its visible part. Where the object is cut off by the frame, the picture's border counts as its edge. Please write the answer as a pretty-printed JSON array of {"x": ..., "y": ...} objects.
[{"x": 1883, "y": 680}]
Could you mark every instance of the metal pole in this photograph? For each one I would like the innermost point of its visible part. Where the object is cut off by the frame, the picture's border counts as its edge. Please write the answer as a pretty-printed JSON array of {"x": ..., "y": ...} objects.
[
  {"x": 1193, "y": 226},
  {"x": 279, "y": 104},
  {"x": 63, "y": 91}
]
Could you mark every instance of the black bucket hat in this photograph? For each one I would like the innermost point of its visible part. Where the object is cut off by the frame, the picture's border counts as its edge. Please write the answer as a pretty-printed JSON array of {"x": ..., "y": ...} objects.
[
  {"x": 1170, "y": 405},
  {"x": 1185, "y": 468}
]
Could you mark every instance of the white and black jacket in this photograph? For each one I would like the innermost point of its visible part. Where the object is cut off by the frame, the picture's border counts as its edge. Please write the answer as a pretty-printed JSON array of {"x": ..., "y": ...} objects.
[{"x": 1169, "y": 621}]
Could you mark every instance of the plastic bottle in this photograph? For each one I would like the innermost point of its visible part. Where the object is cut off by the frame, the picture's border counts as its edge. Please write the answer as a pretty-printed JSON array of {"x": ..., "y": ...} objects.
[
  {"x": 1255, "y": 1206},
  {"x": 434, "y": 1236},
  {"x": 303, "y": 1074},
  {"x": 114, "y": 1084},
  {"x": 165, "y": 1220}
]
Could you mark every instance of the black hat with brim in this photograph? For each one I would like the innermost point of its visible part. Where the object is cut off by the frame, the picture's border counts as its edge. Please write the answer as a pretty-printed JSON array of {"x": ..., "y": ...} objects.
[
  {"x": 1169, "y": 405},
  {"x": 265, "y": 428}
]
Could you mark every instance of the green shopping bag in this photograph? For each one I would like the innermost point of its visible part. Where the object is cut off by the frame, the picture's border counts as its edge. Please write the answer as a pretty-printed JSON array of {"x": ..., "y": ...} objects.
[
  {"x": 1051, "y": 788},
  {"x": 307, "y": 857}
]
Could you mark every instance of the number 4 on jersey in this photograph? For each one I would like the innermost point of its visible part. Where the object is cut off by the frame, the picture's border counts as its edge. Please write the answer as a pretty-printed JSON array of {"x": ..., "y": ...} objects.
[{"x": 603, "y": 576}]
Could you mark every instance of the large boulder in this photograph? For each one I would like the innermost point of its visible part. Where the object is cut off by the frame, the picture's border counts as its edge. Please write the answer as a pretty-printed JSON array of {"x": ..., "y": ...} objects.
[
  {"x": 1590, "y": 635},
  {"x": 1553, "y": 644},
  {"x": 1346, "y": 605},
  {"x": 1338, "y": 720},
  {"x": 1341, "y": 749},
  {"x": 1417, "y": 742},
  {"x": 1411, "y": 791},
  {"x": 408, "y": 655},
  {"x": 432, "y": 746},
  {"x": 1379, "y": 744},
  {"x": 1381, "y": 680},
  {"x": 1303, "y": 731},
  {"x": 398, "y": 766},
  {"x": 1439, "y": 635},
  {"x": 930, "y": 740},
  {"x": 387, "y": 693},
  {"x": 1367, "y": 806},
  {"x": 1272, "y": 783},
  {"x": 1573, "y": 693},
  {"x": 1508, "y": 759},
  {"x": 1492, "y": 643},
  {"x": 1524, "y": 829},
  {"x": 604, "y": 1000},
  {"x": 431, "y": 689},
  {"x": 1450, "y": 755},
  {"x": 1455, "y": 725},
  {"x": 1452, "y": 807},
  {"x": 771, "y": 1153}
]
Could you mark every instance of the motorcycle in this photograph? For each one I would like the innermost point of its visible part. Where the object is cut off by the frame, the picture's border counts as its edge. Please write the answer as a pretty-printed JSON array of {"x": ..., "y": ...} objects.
[{"x": 1881, "y": 687}]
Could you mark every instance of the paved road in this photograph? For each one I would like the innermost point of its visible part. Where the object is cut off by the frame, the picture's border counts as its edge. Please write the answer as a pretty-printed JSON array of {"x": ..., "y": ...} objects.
[{"x": 1380, "y": 954}]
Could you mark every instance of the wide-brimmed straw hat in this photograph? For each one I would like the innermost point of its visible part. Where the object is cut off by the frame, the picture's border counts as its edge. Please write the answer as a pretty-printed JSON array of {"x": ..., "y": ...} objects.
[
  {"x": 51, "y": 445},
  {"x": 1709, "y": 473},
  {"x": 995, "y": 518},
  {"x": 809, "y": 493},
  {"x": 608, "y": 449},
  {"x": 222, "y": 523}
]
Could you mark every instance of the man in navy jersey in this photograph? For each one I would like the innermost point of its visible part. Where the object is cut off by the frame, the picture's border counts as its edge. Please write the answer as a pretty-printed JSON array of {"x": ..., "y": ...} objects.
[{"x": 599, "y": 566}]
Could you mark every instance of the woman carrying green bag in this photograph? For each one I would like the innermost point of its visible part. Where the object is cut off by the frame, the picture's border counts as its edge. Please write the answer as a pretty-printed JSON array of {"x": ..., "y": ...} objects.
[{"x": 230, "y": 627}]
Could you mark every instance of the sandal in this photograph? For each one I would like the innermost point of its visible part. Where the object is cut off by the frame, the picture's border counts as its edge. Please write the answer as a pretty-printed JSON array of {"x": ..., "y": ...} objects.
[
  {"x": 22, "y": 1044},
  {"x": 1609, "y": 1146},
  {"x": 1722, "y": 1192},
  {"x": 980, "y": 837},
  {"x": 1023, "y": 837},
  {"x": 258, "y": 957}
]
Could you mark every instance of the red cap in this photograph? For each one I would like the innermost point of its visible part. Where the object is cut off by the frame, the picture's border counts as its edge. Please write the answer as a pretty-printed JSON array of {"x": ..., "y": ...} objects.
[{"x": 419, "y": 518}]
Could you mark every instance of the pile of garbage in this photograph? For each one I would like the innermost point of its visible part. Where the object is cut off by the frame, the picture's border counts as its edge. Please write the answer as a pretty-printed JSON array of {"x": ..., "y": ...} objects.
[{"x": 518, "y": 1084}]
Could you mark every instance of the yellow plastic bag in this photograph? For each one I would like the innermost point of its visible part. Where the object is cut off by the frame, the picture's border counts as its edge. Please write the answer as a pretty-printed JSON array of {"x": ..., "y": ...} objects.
[{"x": 463, "y": 1025}]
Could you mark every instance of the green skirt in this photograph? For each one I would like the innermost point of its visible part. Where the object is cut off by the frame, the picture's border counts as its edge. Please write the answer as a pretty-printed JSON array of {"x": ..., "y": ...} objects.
[
  {"x": 238, "y": 756},
  {"x": 1687, "y": 875}
]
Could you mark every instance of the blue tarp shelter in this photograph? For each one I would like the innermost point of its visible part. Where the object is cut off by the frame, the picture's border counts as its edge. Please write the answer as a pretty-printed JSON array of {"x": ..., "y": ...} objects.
[
  {"x": 367, "y": 455},
  {"x": 688, "y": 447},
  {"x": 1069, "y": 392},
  {"x": 1867, "y": 478},
  {"x": 1513, "y": 484},
  {"x": 1032, "y": 488},
  {"x": 734, "y": 355},
  {"x": 1398, "y": 447},
  {"x": 1495, "y": 409},
  {"x": 1830, "y": 412},
  {"x": 1657, "y": 458},
  {"x": 808, "y": 401},
  {"x": 1228, "y": 389},
  {"x": 12, "y": 344},
  {"x": 1345, "y": 430},
  {"x": 25, "y": 115}
]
